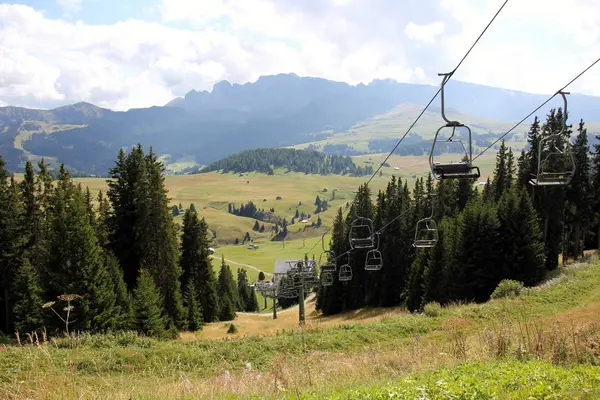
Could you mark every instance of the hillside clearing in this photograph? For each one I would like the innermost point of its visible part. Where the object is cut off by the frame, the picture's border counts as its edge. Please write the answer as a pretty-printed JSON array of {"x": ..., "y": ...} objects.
[{"x": 536, "y": 339}]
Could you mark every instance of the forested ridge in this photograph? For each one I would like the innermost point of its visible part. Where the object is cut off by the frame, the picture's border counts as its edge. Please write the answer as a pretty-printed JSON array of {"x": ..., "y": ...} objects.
[
  {"x": 507, "y": 231},
  {"x": 73, "y": 263},
  {"x": 307, "y": 161}
]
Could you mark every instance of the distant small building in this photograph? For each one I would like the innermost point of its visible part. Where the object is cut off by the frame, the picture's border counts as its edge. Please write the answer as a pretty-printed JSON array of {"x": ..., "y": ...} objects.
[{"x": 211, "y": 250}]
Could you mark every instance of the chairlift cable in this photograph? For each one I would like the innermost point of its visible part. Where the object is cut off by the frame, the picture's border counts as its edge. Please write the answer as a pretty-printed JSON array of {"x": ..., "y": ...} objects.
[
  {"x": 423, "y": 111},
  {"x": 538, "y": 108}
]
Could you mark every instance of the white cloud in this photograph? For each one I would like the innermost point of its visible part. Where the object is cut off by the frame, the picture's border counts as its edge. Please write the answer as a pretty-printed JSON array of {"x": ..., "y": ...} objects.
[
  {"x": 533, "y": 46},
  {"x": 426, "y": 33},
  {"x": 70, "y": 6}
]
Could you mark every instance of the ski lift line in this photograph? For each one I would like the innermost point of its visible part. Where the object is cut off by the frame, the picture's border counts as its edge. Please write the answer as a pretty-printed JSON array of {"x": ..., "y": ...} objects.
[
  {"x": 449, "y": 75},
  {"x": 538, "y": 108}
]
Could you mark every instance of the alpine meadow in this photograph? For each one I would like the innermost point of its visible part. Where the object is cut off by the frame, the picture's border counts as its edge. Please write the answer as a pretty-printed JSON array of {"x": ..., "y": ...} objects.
[{"x": 355, "y": 228}]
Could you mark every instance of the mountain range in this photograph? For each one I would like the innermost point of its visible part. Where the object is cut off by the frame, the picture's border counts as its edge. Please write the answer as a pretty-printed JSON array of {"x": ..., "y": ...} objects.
[{"x": 275, "y": 111}]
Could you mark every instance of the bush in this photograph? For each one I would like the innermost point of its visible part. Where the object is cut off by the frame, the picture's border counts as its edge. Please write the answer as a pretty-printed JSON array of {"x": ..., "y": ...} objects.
[
  {"x": 232, "y": 328},
  {"x": 432, "y": 309},
  {"x": 507, "y": 288}
]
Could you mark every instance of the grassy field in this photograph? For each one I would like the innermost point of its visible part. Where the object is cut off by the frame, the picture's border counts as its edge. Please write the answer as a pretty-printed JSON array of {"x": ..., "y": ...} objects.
[
  {"x": 211, "y": 193},
  {"x": 541, "y": 345}
]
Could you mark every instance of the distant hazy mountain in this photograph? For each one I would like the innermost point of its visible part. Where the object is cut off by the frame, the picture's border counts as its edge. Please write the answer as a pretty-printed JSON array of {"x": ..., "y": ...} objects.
[{"x": 274, "y": 111}]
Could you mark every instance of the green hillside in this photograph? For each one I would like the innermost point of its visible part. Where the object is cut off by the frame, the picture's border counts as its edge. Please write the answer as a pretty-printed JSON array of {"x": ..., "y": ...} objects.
[{"x": 542, "y": 344}]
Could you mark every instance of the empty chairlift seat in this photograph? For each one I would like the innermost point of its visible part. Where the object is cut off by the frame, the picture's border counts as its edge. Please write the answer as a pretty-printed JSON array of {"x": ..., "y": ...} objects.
[
  {"x": 373, "y": 260},
  {"x": 362, "y": 235},
  {"x": 345, "y": 273},
  {"x": 426, "y": 233},
  {"x": 326, "y": 278}
]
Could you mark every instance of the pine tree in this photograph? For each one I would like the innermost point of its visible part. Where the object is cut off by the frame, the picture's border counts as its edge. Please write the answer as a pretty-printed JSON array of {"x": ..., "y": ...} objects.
[
  {"x": 28, "y": 299},
  {"x": 159, "y": 242},
  {"x": 500, "y": 172},
  {"x": 242, "y": 290},
  {"x": 252, "y": 305},
  {"x": 197, "y": 265},
  {"x": 595, "y": 184},
  {"x": 521, "y": 247},
  {"x": 256, "y": 226},
  {"x": 128, "y": 195},
  {"x": 192, "y": 207},
  {"x": 32, "y": 213},
  {"x": 193, "y": 307},
  {"x": 579, "y": 191},
  {"x": 414, "y": 297},
  {"x": 226, "y": 290},
  {"x": 76, "y": 264},
  {"x": 477, "y": 252},
  {"x": 12, "y": 240},
  {"x": 147, "y": 307},
  {"x": 123, "y": 311}
]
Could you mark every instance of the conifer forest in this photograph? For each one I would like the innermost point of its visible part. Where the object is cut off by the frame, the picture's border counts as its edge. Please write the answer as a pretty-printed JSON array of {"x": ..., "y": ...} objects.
[{"x": 71, "y": 262}]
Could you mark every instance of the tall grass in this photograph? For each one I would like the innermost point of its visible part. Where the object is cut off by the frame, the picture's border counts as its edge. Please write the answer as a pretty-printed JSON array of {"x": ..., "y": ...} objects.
[{"x": 554, "y": 327}]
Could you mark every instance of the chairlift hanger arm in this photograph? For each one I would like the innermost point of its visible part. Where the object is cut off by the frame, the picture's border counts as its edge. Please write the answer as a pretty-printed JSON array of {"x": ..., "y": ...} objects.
[{"x": 445, "y": 79}]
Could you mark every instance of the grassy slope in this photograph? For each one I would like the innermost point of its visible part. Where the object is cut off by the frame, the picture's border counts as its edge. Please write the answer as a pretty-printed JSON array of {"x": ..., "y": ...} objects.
[
  {"x": 394, "y": 124},
  {"x": 541, "y": 344}
]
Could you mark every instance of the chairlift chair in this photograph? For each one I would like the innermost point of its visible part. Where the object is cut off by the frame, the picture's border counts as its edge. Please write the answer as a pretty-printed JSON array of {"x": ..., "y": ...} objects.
[
  {"x": 373, "y": 259},
  {"x": 463, "y": 169},
  {"x": 362, "y": 234},
  {"x": 555, "y": 167},
  {"x": 345, "y": 273},
  {"x": 327, "y": 261},
  {"x": 326, "y": 278},
  {"x": 426, "y": 233}
]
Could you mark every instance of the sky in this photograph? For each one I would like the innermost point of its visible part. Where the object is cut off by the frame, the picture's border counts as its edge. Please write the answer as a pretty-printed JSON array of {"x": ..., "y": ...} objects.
[{"x": 124, "y": 54}]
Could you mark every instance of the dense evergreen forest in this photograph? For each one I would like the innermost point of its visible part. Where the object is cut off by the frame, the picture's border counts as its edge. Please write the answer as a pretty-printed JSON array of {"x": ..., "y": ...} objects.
[
  {"x": 506, "y": 231},
  {"x": 73, "y": 263},
  {"x": 307, "y": 161}
]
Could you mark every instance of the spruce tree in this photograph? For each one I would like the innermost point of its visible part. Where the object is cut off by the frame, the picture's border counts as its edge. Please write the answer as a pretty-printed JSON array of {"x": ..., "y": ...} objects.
[
  {"x": 192, "y": 305},
  {"x": 595, "y": 185},
  {"x": 147, "y": 307},
  {"x": 160, "y": 253},
  {"x": 242, "y": 290},
  {"x": 12, "y": 240},
  {"x": 521, "y": 247},
  {"x": 579, "y": 191},
  {"x": 197, "y": 265},
  {"x": 75, "y": 264},
  {"x": 500, "y": 172},
  {"x": 227, "y": 292},
  {"x": 478, "y": 255},
  {"x": 414, "y": 298},
  {"x": 27, "y": 299}
]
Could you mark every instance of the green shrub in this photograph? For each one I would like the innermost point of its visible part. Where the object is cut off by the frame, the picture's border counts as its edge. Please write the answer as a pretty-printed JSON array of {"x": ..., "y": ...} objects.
[
  {"x": 232, "y": 328},
  {"x": 432, "y": 309},
  {"x": 507, "y": 288}
]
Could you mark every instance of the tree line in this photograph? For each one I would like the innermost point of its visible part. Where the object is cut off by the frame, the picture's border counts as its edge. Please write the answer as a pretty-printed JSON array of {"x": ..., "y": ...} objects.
[
  {"x": 120, "y": 257},
  {"x": 293, "y": 160},
  {"x": 508, "y": 230}
]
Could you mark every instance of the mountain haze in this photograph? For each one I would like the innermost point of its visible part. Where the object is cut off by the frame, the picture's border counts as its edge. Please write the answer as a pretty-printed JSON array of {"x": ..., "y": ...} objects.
[{"x": 275, "y": 111}]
